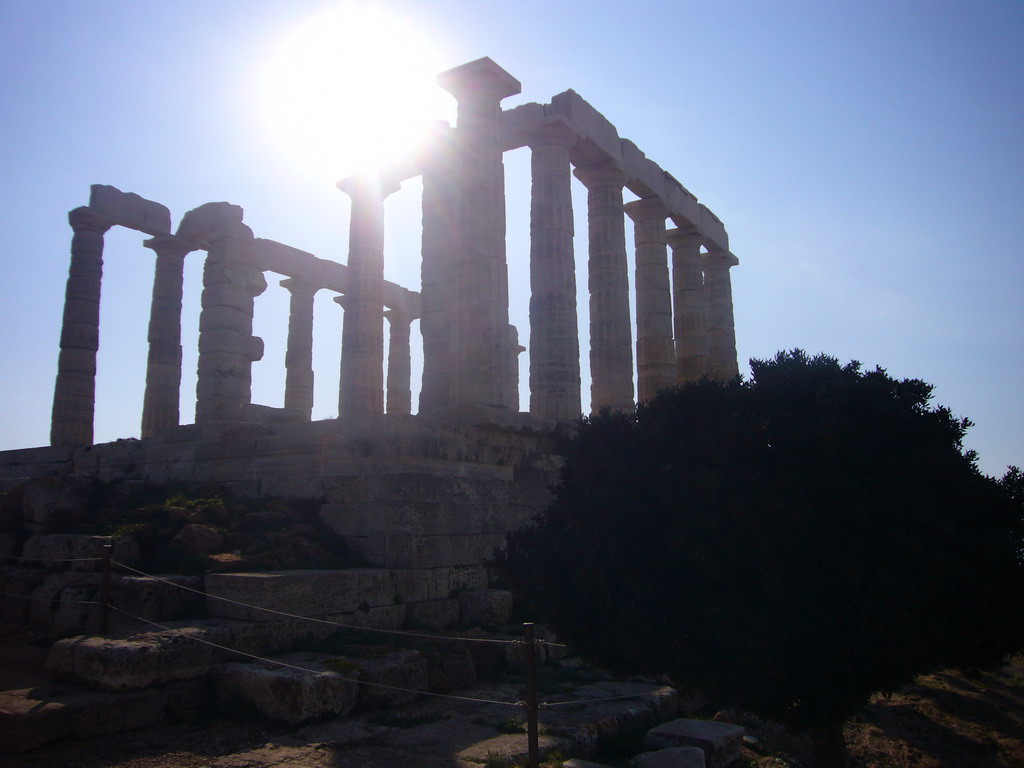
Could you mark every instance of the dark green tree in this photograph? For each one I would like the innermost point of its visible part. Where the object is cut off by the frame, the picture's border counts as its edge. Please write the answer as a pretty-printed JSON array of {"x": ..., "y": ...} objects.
[{"x": 789, "y": 544}]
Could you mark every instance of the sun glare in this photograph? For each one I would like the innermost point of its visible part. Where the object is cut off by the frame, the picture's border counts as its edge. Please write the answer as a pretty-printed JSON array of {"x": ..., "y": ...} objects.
[{"x": 351, "y": 89}]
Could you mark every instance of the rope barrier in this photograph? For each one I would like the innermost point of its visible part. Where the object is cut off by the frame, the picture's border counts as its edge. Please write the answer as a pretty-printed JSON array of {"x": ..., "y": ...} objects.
[
  {"x": 49, "y": 600},
  {"x": 318, "y": 620},
  {"x": 279, "y": 663},
  {"x": 50, "y": 559}
]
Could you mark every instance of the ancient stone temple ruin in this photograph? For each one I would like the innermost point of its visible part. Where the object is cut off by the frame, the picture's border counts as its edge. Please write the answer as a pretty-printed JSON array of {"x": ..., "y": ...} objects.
[
  {"x": 440, "y": 487},
  {"x": 410, "y": 506}
]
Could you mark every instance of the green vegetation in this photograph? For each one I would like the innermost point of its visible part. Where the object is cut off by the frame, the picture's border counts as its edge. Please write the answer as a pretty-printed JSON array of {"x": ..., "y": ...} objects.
[{"x": 789, "y": 544}]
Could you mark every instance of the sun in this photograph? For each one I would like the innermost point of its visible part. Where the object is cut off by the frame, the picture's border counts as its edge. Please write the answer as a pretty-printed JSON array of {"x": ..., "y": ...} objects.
[{"x": 351, "y": 89}]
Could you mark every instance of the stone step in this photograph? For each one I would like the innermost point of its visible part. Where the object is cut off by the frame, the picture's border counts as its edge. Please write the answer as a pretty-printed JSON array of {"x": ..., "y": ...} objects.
[{"x": 30, "y": 717}]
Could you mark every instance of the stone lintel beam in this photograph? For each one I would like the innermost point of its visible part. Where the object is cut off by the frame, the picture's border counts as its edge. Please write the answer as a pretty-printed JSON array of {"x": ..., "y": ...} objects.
[
  {"x": 598, "y": 143},
  {"x": 272, "y": 256},
  {"x": 126, "y": 209}
]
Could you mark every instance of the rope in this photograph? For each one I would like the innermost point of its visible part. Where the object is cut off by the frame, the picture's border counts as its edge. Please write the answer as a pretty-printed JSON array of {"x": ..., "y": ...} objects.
[
  {"x": 50, "y": 559},
  {"x": 317, "y": 620},
  {"x": 319, "y": 672}
]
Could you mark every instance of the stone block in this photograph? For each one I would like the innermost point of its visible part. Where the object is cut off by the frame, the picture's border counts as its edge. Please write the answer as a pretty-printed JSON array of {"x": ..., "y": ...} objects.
[
  {"x": 129, "y": 210},
  {"x": 450, "y": 669},
  {"x": 76, "y": 552},
  {"x": 157, "y": 599},
  {"x": 391, "y": 680},
  {"x": 721, "y": 742},
  {"x": 376, "y": 617},
  {"x": 672, "y": 757},
  {"x": 432, "y": 614},
  {"x": 138, "y": 661},
  {"x": 209, "y": 222},
  {"x": 32, "y": 717},
  {"x": 713, "y": 229},
  {"x": 685, "y": 210},
  {"x": 590, "y": 124},
  {"x": 577, "y": 763},
  {"x": 485, "y": 608},
  {"x": 287, "y": 694},
  {"x": 426, "y": 551},
  {"x": 301, "y": 593},
  {"x": 48, "y": 496},
  {"x": 416, "y": 585}
]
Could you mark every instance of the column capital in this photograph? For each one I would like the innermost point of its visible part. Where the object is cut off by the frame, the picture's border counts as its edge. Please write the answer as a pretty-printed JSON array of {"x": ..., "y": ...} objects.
[
  {"x": 646, "y": 209},
  {"x": 297, "y": 285},
  {"x": 719, "y": 258},
  {"x": 399, "y": 316},
  {"x": 85, "y": 219},
  {"x": 375, "y": 185},
  {"x": 684, "y": 238},
  {"x": 170, "y": 244},
  {"x": 600, "y": 174},
  {"x": 555, "y": 131},
  {"x": 480, "y": 76}
]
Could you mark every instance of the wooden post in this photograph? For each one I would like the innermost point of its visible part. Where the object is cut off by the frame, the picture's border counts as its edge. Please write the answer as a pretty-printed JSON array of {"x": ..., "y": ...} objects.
[
  {"x": 531, "y": 694},
  {"x": 105, "y": 589}
]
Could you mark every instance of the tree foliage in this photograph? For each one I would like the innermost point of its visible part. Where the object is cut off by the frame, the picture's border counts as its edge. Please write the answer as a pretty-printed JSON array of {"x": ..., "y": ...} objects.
[{"x": 790, "y": 544}]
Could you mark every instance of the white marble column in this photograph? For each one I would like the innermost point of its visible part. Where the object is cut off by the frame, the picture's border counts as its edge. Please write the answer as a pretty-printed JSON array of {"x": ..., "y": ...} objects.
[
  {"x": 554, "y": 334},
  {"x": 161, "y": 403},
  {"x": 481, "y": 353},
  {"x": 74, "y": 396},
  {"x": 399, "y": 395},
  {"x": 437, "y": 292},
  {"x": 722, "y": 360},
  {"x": 655, "y": 355},
  {"x": 611, "y": 333},
  {"x": 227, "y": 348},
  {"x": 362, "y": 340},
  {"x": 689, "y": 305},
  {"x": 298, "y": 358}
]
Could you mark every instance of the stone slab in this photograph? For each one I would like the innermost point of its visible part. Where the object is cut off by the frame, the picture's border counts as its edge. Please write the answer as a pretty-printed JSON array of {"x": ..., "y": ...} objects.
[
  {"x": 31, "y": 717},
  {"x": 309, "y": 688},
  {"x": 721, "y": 742},
  {"x": 129, "y": 210},
  {"x": 301, "y": 593},
  {"x": 672, "y": 757}
]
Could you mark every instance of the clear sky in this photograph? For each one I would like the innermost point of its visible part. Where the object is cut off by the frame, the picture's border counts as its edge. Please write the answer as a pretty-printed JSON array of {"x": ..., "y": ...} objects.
[{"x": 867, "y": 159}]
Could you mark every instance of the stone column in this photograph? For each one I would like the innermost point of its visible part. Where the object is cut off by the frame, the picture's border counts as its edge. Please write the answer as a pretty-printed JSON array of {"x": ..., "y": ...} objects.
[
  {"x": 362, "y": 338},
  {"x": 74, "y": 395},
  {"x": 722, "y": 362},
  {"x": 227, "y": 348},
  {"x": 399, "y": 396},
  {"x": 437, "y": 290},
  {"x": 554, "y": 334},
  {"x": 611, "y": 333},
  {"x": 690, "y": 307},
  {"x": 655, "y": 356},
  {"x": 298, "y": 359},
  {"x": 481, "y": 353},
  {"x": 160, "y": 406}
]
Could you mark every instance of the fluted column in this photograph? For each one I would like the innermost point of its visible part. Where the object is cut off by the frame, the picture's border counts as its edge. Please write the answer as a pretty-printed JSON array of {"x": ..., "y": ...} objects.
[
  {"x": 161, "y": 403},
  {"x": 689, "y": 305},
  {"x": 611, "y": 334},
  {"x": 298, "y": 358},
  {"x": 722, "y": 362},
  {"x": 554, "y": 334},
  {"x": 227, "y": 348},
  {"x": 362, "y": 339},
  {"x": 481, "y": 354},
  {"x": 437, "y": 292},
  {"x": 74, "y": 395},
  {"x": 655, "y": 355},
  {"x": 399, "y": 396}
]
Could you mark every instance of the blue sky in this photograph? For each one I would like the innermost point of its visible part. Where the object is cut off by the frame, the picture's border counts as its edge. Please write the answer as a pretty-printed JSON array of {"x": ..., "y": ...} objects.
[{"x": 867, "y": 159}]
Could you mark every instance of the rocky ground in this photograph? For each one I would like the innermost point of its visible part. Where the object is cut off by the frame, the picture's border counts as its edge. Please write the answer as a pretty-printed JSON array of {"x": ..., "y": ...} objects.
[{"x": 946, "y": 720}]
